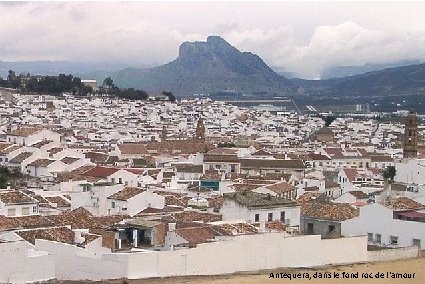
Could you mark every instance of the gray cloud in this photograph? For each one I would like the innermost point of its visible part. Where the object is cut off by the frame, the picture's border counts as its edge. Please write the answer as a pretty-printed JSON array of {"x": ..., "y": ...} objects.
[{"x": 301, "y": 37}]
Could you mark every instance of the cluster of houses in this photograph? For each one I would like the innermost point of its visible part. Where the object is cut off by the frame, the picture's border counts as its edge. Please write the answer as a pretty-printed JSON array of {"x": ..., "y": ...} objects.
[{"x": 111, "y": 177}]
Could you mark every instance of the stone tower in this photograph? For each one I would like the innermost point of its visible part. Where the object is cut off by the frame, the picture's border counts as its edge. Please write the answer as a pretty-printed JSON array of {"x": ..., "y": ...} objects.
[
  {"x": 410, "y": 141},
  {"x": 164, "y": 133},
  {"x": 200, "y": 130}
]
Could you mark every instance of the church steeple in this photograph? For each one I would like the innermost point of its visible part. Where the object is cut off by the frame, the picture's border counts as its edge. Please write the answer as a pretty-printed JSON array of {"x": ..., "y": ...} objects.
[
  {"x": 200, "y": 130},
  {"x": 410, "y": 141},
  {"x": 164, "y": 133}
]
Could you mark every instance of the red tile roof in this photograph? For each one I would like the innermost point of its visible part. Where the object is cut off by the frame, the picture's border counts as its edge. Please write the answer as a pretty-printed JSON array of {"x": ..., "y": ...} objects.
[{"x": 102, "y": 172}]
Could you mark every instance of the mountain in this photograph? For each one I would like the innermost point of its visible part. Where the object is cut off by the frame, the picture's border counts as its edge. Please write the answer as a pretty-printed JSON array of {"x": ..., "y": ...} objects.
[
  {"x": 345, "y": 71},
  {"x": 208, "y": 67},
  {"x": 404, "y": 80}
]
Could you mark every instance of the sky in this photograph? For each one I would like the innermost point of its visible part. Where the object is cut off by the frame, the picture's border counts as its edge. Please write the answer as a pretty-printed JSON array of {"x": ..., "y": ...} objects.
[{"x": 300, "y": 37}]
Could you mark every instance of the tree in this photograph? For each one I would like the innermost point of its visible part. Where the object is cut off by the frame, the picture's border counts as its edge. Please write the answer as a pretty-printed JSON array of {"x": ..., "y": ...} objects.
[
  {"x": 170, "y": 96},
  {"x": 329, "y": 119},
  {"x": 389, "y": 173},
  {"x": 3, "y": 181},
  {"x": 108, "y": 83}
]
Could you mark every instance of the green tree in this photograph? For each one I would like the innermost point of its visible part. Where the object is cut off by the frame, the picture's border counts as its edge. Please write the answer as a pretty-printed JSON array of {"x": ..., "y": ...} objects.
[
  {"x": 108, "y": 83},
  {"x": 170, "y": 96},
  {"x": 389, "y": 173},
  {"x": 3, "y": 181},
  {"x": 329, "y": 119}
]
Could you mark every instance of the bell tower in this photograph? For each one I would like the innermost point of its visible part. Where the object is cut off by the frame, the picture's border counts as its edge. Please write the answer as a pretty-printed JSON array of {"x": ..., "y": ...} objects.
[
  {"x": 410, "y": 141},
  {"x": 200, "y": 130}
]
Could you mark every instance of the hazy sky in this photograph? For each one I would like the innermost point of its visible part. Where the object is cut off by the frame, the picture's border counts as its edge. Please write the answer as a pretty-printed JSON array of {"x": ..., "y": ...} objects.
[{"x": 299, "y": 37}]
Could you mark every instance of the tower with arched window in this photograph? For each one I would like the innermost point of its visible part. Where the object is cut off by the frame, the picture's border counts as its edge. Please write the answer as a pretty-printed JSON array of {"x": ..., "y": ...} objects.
[{"x": 410, "y": 141}]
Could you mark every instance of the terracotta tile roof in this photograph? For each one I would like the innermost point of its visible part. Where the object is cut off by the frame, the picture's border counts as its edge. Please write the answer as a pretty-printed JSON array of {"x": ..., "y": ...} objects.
[
  {"x": 9, "y": 149},
  {"x": 271, "y": 164},
  {"x": 20, "y": 158},
  {"x": 69, "y": 160},
  {"x": 256, "y": 200},
  {"x": 55, "y": 150},
  {"x": 132, "y": 149},
  {"x": 330, "y": 184},
  {"x": 166, "y": 209},
  {"x": 223, "y": 151},
  {"x": 276, "y": 226},
  {"x": 25, "y": 131},
  {"x": 317, "y": 157},
  {"x": 351, "y": 174},
  {"x": 126, "y": 193},
  {"x": 281, "y": 187},
  {"x": 95, "y": 157},
  {"x": 41, "y": 163},
  {"x": 381, "y": 158},
  {"x": 189, "y": 168},
  {"x": 238, "y": 228},
  {"x": 192, "y": 216},
  {"x": 41, "y": 143},
  {"x": 198, "y": 235},
  {"x": 329, "y": 211},
  {"x": 402, "y": 203},
  {"x": 60, "y": 201},
  {"x": 80, "y": 218},
  {"x": 179, "y": 146},
  {"x": 210, "y": 158},
  {"x": 102, "y": 172},
  {"x": 60, "y": 234},
  {"x": 359, "y": 194},
  {"x": 309, "y": 196},
  {"x": 4, "y": 145},
  {"x": 27, "y": 222},
  {"x": 215, "y": 202},
  {"x": 16, "y": 197},
  {"x": 176, "y": 201}
]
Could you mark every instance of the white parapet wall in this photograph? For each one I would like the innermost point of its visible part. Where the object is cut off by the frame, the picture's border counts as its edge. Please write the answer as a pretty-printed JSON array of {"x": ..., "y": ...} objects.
[
  {"x": 242, "y": 253},
  {"x": 393, "y": 254},
  {"x": 20, "y": 263}
]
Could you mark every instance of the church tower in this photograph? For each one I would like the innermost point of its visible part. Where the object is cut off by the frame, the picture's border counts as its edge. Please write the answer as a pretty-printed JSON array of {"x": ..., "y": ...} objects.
[
  {"x": 164, "y": 133},
  {"x": 410, "y": 141},
  {"x": 200, "y": 130}
]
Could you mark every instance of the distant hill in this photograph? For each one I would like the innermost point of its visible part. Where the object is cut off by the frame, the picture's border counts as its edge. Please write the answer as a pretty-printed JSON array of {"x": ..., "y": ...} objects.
[
  {"x": 345, "y": 71},
  {"x": 208, "y": 67},
  {"x": 56, "y": 67},
  {"x": 404, "y": 80}
]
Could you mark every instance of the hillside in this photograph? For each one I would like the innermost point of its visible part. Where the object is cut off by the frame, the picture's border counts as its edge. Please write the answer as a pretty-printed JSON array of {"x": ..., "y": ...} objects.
[
  {"x": 208, "y": 67},
  {"x": 404, "y": 80}
]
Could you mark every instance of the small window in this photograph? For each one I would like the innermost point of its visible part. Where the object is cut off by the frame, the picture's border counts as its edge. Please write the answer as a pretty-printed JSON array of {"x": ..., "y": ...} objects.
[
  {"x": 113, "y": 180},
  {"x": 394, "y": 240},
  {"x": 416, "y": 242},
  {"x": 35, "y": 209},
  {"x": 331, "y": 228},
  {"x": 369, "y": 237},
  {"x": 270, "y": 217},
  {"x": 257, "y": 217},
  {"x": 378, "y": 238},
  {"x": 120, "y": 180},
  {"x": 11, "y": 212},
  {"x": 282, "y": 216},
  {"x": 25, "y": 211},
  {"x": 310, "y": 228},
  {"x": 113, "y": 204}
]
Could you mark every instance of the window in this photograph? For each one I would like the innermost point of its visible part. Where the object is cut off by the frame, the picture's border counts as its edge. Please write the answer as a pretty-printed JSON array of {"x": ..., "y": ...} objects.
[
  {"x": 309, "y": 228},
  {"x": 35, "y": 209},
  {"x": 369, "y": 237},
  {"x": 270, "y": 217},
  {"x": 378, "y": 238},
  {"x": 331, "y": 228},
  {"x": 113, "y": 180},
  {"x": 113, "y": 204},
  {"x": 416, "y": 242},
  {"x": 394, "y": 240},
  {"x": 282, "y": 216},
  {"x": 25, "y": 210},
  {"x": 11, "y": 212},
  {"x": 257, "y": 217},
  {"x": 120, "y": 180}
]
